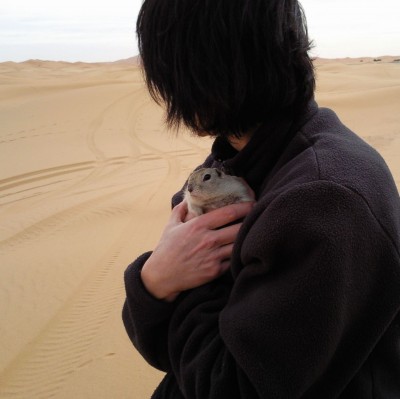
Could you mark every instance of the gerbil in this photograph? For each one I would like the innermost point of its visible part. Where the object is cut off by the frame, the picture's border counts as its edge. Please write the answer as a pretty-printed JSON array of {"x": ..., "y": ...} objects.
[{"x": 210, "y": 188}]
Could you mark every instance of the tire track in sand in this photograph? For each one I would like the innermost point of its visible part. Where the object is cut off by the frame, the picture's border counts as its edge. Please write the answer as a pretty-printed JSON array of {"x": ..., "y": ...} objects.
[
  {"x": 173, "y": 166},
  {"x": 97, "y": 170},
  {"x": 57, "y": 221},
  {"x": 42, "y": 174},
  {"x": 67, "y": 343}
]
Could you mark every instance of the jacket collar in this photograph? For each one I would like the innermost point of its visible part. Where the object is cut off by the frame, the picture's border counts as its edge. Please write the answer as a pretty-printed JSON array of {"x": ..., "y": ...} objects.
[{"x": 261, "y": 153}]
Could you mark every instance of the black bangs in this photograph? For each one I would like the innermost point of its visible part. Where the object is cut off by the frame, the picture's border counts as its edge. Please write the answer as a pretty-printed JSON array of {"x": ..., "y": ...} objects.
[{"x": 224, "y": 66}]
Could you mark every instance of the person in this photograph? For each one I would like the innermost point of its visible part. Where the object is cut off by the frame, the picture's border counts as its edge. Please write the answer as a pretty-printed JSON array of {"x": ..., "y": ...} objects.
[{"x": 296, "y": 295}]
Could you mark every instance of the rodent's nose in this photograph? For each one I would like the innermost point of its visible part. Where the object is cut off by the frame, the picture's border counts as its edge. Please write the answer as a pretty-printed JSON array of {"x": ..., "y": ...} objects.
[{"x": 190, "y": 188}]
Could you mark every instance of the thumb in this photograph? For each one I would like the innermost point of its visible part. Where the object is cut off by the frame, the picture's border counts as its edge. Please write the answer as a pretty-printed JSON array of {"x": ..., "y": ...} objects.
[{"x": 179, "y": 212}]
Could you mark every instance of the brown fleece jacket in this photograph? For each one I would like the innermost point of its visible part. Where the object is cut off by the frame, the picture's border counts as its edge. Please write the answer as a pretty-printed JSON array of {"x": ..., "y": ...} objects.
[{"x": 310, "y": 308}]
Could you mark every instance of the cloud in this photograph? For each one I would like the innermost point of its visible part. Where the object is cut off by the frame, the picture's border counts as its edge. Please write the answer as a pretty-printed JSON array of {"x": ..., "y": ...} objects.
[
  {"x": 90, "y": 29},
  {"x": 84, "y": 29},
  {"x": 62, "y": 30}
]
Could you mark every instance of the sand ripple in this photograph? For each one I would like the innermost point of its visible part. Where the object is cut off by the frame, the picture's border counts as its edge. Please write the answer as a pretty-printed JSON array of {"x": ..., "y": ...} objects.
[{"x": 87, "y": 170}]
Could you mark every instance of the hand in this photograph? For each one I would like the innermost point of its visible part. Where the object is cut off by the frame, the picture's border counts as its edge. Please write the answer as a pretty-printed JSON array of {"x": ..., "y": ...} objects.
[{"x": 193, "y": 253}]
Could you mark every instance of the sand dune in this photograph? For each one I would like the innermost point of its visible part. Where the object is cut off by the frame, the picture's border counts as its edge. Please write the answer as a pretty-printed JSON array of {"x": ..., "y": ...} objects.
[{"x": 86, "y": 173}]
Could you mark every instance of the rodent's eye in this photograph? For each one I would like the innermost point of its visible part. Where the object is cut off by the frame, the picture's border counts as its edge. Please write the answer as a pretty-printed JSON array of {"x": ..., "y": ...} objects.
[{"x": 206, "y": 177}]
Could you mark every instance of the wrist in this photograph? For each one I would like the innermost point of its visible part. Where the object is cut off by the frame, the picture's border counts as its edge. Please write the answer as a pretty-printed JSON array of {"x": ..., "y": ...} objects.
[{"x": 155, "y": 286}]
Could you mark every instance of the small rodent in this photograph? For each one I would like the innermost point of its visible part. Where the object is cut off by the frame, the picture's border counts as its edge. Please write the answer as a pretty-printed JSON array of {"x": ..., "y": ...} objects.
[{"x": 211, "y": 188}]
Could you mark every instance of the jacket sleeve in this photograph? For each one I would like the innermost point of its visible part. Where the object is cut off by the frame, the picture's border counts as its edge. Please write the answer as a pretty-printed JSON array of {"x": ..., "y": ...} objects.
[
  {"x": 146, "y": 318},
  {"x": 316, "y": 286}
]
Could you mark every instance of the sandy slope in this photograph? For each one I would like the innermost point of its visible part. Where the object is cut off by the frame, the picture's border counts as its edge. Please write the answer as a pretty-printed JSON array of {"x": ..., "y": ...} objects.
[{"x": 86, "y": 172}]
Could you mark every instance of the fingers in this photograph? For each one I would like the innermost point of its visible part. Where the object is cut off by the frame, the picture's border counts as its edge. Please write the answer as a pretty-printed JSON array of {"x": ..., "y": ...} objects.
[
  {"x": 225, "y": 252},
  {"x": 179, "y": 213},
  {"x": 189, "y": 216},
  {"x": 225, "y": 215},
  {"x": 227, "y": 235}
]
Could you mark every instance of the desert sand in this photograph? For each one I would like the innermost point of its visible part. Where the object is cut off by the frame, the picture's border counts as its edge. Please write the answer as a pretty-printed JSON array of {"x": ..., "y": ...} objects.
[{"x": 87, "y": 170}]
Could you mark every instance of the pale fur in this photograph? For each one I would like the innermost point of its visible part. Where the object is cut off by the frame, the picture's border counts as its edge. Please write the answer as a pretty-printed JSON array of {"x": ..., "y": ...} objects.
[{"x": 217, "y": 191}]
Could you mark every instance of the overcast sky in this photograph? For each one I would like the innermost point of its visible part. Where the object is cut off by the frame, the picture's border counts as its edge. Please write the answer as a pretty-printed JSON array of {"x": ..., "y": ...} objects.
[{"x": 104, "y": 30}]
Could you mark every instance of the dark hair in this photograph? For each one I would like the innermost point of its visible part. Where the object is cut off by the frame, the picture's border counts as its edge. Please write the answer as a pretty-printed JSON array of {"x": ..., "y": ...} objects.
[{"x": 223, "y": 66}]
